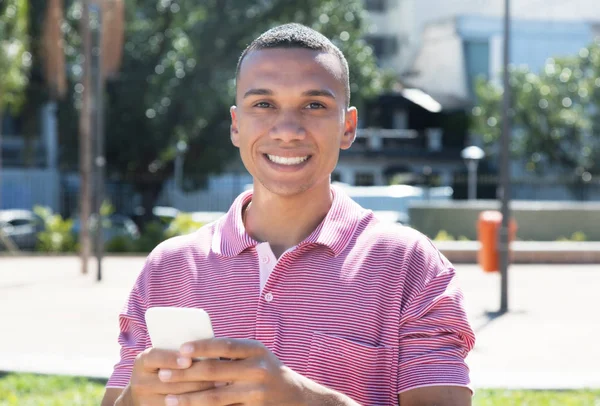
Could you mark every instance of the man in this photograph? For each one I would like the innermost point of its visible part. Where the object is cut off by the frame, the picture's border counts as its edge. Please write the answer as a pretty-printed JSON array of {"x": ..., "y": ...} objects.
[{"x": 313, "y": 301}]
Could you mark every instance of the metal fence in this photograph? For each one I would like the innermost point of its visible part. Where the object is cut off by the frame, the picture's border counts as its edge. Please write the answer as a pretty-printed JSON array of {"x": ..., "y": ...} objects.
[
  {"x": 218, "y": 195},
  {"x": 60, "y": 191}
]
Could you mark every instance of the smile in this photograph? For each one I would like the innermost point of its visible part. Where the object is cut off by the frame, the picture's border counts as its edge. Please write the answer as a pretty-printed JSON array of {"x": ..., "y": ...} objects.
[{"x": 287, "y": 160}]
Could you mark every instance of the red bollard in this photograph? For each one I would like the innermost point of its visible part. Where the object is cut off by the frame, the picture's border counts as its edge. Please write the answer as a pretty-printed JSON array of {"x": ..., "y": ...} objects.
[{"x": 488, "y": 225}]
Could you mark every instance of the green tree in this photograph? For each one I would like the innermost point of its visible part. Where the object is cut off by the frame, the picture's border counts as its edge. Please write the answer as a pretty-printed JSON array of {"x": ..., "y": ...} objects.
[
  {"x": 15, "y": 59},
  {"x": 36, "y": 92},
  {"x": 556, "y": 114},
  {"x": 177, "y": 79}
]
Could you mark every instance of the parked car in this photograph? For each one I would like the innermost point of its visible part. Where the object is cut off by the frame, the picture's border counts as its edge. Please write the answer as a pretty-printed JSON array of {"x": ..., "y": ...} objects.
[
  {"x": 116, "y": 225},
  {"x": 391, "y": 203},
  {"x": 22, "y": 227}
]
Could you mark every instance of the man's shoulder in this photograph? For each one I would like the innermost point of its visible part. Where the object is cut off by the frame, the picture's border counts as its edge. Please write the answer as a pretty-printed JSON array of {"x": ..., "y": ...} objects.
[
  {"x": 394, "y": 234},
  {"x": 401, "y": 245},
  {"x": 197, "y": 243},
  {"x": 172, "y": 265}
]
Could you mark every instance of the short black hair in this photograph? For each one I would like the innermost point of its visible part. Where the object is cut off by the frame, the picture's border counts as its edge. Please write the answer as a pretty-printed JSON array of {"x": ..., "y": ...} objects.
[{"x": 296, "y": 35}]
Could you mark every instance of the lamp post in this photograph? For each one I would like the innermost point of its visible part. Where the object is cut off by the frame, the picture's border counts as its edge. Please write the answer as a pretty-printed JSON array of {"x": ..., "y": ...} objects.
[
  {"x": 472, "y": 155},
  {"x": 504, "y": 186},
  {"x": 98, "y": 132},
  {"x": 181, "y": 150}
]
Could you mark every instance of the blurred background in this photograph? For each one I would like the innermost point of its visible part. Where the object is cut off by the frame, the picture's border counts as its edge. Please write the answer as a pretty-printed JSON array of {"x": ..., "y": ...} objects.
[
  {"x": 116, "y": 113},
  {"x": 146, "y": 130}
]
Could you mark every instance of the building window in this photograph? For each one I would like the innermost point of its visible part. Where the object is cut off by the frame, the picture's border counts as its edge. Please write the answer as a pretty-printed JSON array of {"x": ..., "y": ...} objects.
[
  {"x": 376, "y": 5},
  {"x": 360, "y": 143},
  {"x": 383, "y": 46},
  {"x": 364, "y": 179},
  {"x": 400, "y": 119},
  {"x": 11, "y": 125},
  {"x": 11, "y": 156},
  {"x": 336, "y": 177},
  {"x": 477, "y": 59}
]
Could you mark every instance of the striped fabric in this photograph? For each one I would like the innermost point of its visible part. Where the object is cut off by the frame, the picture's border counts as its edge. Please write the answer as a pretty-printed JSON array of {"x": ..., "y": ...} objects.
[{"x": 365, "y": 308}]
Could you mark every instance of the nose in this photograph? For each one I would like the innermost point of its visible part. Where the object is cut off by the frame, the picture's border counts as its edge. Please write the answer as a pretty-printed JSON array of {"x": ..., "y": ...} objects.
[{"x": 288, "y": 127}]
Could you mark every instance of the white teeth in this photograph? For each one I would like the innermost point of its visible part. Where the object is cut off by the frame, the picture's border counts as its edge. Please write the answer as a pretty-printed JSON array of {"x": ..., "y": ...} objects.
[{"x": 287, "y": 161}]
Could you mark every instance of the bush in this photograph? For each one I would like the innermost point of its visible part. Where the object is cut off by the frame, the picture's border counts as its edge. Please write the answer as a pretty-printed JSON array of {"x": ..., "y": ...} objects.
[
  {"x": 576, "y": 236},
  {"x": 57, "y": 235},
  {"x": 120, "y": 244},
  {"x": 181, "y": 225},
  {"x": 443, "y": 235},
  {"x": 152, "y": 235}
]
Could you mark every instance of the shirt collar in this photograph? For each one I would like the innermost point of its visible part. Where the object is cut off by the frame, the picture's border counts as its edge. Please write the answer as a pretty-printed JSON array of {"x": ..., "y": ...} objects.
[{"x": 335, "y": 231}]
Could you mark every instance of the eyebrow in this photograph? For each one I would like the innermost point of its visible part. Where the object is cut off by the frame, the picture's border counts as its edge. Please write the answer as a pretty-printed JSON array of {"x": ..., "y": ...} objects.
[{"x": 310, "y": 93}]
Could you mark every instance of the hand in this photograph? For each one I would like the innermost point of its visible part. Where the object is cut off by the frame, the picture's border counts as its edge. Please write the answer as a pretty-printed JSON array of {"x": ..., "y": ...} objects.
[
  {"x": 145, "y": 387},
  {"x": 254, "y": 374}
]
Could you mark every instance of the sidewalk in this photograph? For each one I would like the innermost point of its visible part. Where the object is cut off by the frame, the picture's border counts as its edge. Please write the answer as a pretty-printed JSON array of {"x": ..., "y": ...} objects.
[
  {"x": 528, "y": 252},
  {"x": 57, "y": 321}
]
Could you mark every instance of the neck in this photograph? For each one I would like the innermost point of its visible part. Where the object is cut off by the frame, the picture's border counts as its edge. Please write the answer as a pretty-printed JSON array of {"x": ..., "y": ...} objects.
[{"x": 284, "y": 222}]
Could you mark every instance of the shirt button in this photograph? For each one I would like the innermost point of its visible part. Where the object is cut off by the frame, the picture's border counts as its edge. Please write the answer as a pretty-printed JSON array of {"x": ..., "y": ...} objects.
[
  {"x": 269, "y": 297},
  {"x": 265, "y": 259}
]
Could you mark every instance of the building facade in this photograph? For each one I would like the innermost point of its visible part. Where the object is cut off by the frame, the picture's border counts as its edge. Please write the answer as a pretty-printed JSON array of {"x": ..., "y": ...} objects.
[
  {"x": 440, "y": 48},
  {"x": 398, "y": 27}
]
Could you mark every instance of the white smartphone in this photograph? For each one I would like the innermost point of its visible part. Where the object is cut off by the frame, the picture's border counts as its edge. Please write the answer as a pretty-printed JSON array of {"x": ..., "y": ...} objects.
[{"x": 171, "y": 327}]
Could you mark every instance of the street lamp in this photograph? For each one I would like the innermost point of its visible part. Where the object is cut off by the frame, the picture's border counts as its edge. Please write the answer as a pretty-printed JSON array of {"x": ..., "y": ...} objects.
[
  {"x": 504, "y": 186},
  {"x": 181, "y": 150},
  {"x": 472, "y": 155}
]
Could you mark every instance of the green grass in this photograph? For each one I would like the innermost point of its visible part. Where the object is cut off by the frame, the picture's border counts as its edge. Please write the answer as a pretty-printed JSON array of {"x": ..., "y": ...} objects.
[
  {"x": 536, "y": 398},
  {"x": 37, "y": 390}
]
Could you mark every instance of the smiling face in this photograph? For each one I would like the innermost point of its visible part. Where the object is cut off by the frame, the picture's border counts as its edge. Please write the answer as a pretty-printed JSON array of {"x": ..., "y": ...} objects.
[{"x": 291, "y": 118}]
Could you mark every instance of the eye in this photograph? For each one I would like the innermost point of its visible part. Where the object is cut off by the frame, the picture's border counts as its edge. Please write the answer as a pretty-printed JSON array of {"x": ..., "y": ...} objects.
[
  {"x": 315, "y": 106},
  {"x": 263, "y": 105}
]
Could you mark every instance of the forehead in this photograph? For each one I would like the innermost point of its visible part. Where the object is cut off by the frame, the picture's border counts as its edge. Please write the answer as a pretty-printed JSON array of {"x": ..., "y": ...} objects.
[{"x": 290, "y": 66}]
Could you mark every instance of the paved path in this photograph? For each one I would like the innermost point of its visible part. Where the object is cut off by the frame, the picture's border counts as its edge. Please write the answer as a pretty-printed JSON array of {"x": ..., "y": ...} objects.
[{"x": 55, "y": 320}]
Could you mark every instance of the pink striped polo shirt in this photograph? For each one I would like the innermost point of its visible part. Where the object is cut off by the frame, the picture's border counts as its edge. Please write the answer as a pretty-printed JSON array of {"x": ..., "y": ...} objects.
[{"x": 366, "y": 308}]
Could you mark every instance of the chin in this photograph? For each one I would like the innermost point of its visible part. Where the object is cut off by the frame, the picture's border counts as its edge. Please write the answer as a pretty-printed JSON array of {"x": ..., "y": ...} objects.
[{"x": 286, "y": 190}]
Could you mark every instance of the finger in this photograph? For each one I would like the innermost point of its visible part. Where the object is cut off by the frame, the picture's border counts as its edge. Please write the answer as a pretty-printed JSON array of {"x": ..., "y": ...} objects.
[
  {"x": 152, "y": 400},
  {"x": 223, "y": 348},
  {"x": 214, "y": 370},
  {"x": 150, "y": 385},
  {"x": 177, "y": 388},
  {"x": 226, "y": 395},
  {"x": 153, "y": 359}
]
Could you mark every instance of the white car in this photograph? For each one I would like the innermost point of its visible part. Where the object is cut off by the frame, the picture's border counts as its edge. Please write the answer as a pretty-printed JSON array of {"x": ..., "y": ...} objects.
[{"x": 22, "y": 227}]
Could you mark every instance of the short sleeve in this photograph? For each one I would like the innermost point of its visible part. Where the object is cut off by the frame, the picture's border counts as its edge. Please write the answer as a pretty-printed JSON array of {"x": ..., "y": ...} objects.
[
  {"x": 133, "y": 335},
  {"x": 435, "y": 335}
]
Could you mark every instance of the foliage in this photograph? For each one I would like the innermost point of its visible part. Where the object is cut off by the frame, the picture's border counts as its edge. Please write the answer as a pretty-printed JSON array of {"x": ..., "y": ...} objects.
[
  {"x": 33, "y": 390},
  {"x": 555, "y": 115},
  {"x": 537, "y": 398},
  {"x": 106, "y": 208},
  {"x": 36, "y": 92},
  {"x": 181, "y": 225},
  {"x": 177, "y": 80},
  {"x": 120, "y": 244},
  {"x": 15, "y": 60},
  {"x": 443, "y": 235},
  {"x": 57, "y": 235},
  {"x": 156, "y": 232},
  {"x": 576, "y": 236},
  {"x": 152, "y": 235}
]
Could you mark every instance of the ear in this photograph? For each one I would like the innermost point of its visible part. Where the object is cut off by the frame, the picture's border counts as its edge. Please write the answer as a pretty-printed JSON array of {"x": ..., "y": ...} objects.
[
  {"x": 349, "y": 128},
  {"x": 234, "y": 129}
]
